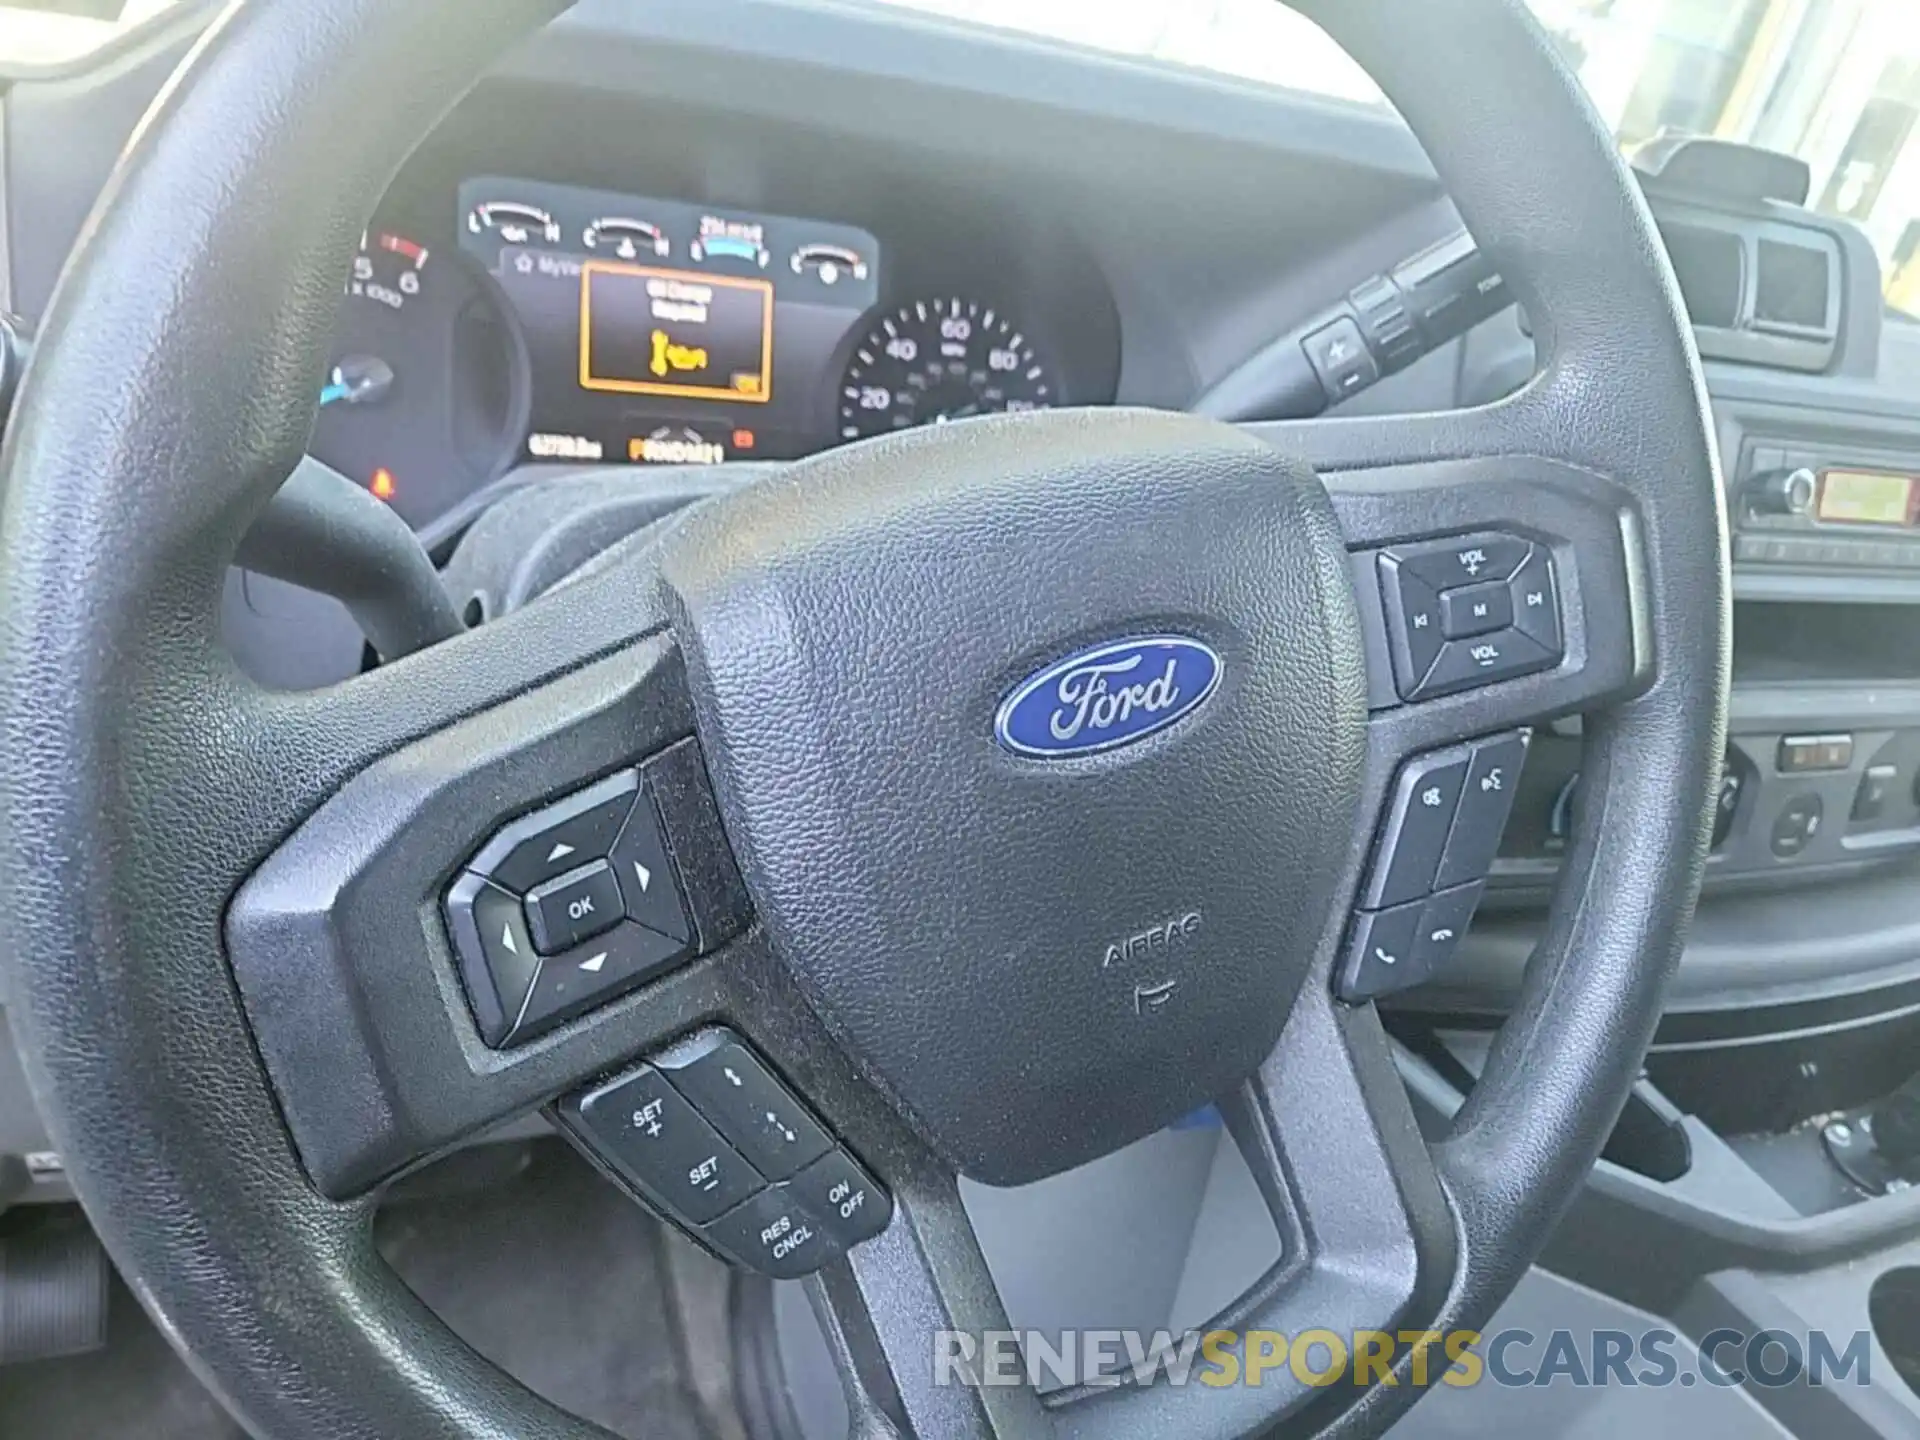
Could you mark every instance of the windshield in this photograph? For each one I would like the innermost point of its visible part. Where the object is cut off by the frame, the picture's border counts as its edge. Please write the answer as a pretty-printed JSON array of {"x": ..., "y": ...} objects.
[{"x": 1836, "y": 82}]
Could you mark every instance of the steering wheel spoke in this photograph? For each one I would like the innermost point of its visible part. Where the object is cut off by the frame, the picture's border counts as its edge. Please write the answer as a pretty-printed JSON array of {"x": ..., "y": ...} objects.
[
  {"x": 903, "y": 1313},
  {"x": 915, "y": 1324},
  {"x": 419, "y": 956}
]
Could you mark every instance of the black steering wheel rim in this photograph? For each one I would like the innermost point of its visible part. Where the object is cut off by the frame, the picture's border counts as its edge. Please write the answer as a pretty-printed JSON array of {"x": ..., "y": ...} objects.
[{"x": 147, "y": 780}]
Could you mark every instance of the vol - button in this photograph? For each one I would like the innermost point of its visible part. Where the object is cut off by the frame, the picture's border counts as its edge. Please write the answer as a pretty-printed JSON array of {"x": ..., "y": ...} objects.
[{"x": 1464, "y": 664}]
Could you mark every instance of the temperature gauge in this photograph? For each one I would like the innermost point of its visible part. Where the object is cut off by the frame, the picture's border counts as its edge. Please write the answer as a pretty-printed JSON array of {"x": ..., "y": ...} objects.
[{"x": 627, "y": 238}]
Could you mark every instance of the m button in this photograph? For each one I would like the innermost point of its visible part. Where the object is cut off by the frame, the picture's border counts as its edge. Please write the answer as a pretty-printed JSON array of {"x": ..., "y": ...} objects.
[{"x": 1476, "y": 610}]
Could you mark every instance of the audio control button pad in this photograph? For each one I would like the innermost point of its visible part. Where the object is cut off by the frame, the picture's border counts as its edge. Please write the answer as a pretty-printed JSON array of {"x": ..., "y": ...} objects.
[{"x": 1469, "y": 611}]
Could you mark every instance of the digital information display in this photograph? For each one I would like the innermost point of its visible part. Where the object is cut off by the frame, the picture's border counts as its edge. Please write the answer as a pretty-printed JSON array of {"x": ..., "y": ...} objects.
[
  {"x": 645, "y": 331},
  {"x": 1866, "y": 497},
  {"x": 670, "y": 332}
]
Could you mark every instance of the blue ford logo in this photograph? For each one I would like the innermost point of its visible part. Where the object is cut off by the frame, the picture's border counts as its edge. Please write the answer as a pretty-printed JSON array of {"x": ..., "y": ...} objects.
[{"x": 1100, "y": 699}]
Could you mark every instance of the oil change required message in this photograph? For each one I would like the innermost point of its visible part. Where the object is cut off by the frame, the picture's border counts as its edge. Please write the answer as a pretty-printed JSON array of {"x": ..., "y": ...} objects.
[{"x": 646, "y": 331}]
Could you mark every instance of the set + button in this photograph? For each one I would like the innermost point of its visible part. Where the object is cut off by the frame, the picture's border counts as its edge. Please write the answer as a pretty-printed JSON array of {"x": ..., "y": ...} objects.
[{"x": 653, "y": 1137}]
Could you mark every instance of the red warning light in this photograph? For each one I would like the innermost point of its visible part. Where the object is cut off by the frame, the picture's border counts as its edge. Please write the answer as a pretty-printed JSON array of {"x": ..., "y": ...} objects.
[
  {"x": 743, "y": 439},
  {"x": 382, "y": 484}
]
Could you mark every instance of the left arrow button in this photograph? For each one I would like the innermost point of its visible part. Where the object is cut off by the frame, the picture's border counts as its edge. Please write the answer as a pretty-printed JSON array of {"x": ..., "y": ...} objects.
[{"x": 496, "y": 954}]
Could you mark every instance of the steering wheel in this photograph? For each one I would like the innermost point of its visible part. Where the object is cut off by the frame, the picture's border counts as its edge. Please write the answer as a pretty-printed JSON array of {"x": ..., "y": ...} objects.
[{"x": 241, "y": 1009}]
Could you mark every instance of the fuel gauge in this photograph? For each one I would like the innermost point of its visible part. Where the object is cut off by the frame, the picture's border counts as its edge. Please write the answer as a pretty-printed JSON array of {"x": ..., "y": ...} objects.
[{"x": 515, "y": 223}]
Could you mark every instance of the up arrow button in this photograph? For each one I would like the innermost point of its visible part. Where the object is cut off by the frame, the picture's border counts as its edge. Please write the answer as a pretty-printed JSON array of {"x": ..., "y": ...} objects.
[{"x": 646, "y": 874}]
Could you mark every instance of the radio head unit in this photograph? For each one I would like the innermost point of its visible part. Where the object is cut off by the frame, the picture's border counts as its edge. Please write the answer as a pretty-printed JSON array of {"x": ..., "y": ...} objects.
[{"x": 1826, "y": 510}]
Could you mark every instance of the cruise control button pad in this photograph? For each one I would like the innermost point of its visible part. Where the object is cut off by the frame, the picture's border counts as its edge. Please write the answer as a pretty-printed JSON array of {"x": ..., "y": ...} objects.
[{"x": 710, "y": 1138}]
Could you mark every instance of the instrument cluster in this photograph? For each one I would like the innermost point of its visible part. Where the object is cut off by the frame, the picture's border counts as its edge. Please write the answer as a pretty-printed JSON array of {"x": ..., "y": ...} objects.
[{"x": 552, "y": 323}]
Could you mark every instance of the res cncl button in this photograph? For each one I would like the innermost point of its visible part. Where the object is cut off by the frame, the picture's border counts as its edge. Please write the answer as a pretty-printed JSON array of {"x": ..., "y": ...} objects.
[{"x": 566, "y": 908}]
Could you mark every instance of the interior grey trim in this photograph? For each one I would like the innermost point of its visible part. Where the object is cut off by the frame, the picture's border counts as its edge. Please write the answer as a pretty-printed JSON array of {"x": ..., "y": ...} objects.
[
  {"x": 1771, "y": 947},
  {"x": 6, "y": 244}
]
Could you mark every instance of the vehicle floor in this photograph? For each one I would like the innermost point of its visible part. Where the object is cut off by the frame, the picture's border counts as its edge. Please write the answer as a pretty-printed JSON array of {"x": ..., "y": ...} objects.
[
  {"x": 543, "y": 1267},
  {"x": 551, "y": 1274}
]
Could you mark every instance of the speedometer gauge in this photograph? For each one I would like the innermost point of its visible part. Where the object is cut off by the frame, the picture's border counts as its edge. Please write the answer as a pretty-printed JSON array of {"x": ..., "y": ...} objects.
[{"x": 932, "y": 361}]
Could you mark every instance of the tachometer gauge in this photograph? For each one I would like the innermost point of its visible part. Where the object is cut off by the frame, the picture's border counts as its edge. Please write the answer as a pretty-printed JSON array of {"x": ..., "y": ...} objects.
[
  {"x": 388, "y": 269},
  {"x": 932, "y": 361}
]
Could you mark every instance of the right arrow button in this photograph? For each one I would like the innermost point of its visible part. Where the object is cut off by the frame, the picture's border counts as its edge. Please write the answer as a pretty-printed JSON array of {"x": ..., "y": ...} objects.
[
  {"x": 1536, "y": 603},
  {"x": 646, "y": 874}
]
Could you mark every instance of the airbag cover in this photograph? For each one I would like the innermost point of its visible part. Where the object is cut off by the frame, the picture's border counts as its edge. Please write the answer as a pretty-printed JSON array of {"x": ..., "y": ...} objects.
[{"x": 1040, "y": 956}]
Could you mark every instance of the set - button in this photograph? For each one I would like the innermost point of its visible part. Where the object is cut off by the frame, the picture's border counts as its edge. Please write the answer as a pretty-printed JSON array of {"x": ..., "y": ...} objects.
[
  {"x": 1436, "y": 846},
  {"x": 707, "y": 1135},
  {"x": 1466, "y": 612}
]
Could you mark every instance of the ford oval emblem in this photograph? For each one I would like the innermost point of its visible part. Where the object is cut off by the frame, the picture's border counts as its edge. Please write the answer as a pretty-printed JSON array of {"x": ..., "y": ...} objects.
[{"x": 1107, "y": 697}]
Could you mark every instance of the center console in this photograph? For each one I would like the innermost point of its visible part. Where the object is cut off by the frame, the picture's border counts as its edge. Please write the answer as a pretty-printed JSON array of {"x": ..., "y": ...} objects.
[{"x": 1822, "y": 768}]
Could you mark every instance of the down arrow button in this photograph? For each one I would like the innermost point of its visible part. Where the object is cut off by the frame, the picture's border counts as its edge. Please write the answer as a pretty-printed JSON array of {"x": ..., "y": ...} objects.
[{"x": 646, "y": 875}]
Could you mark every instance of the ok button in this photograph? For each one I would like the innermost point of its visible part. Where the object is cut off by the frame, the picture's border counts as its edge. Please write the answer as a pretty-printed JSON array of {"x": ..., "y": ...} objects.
[{"x": 579, "y": 905}]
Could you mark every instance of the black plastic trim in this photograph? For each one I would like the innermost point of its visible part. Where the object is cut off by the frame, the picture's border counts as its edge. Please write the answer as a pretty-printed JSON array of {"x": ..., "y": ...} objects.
[{"x": 342, "y": 958}]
